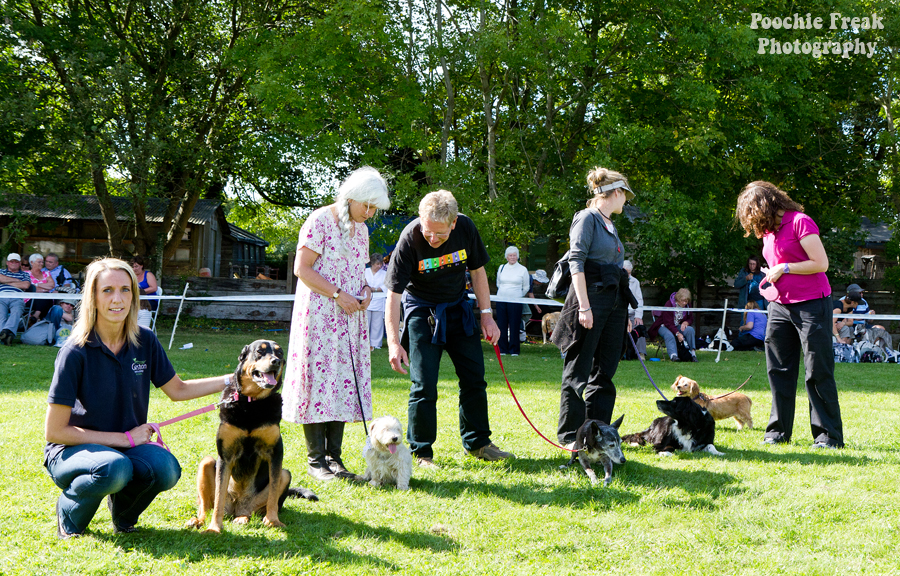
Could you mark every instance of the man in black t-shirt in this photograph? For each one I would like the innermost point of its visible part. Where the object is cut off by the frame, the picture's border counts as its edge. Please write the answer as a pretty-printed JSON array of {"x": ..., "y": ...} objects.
[{"x": 427, "y": 276}]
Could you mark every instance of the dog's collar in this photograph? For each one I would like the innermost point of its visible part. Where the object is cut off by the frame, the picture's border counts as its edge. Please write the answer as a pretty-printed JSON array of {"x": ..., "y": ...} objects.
[{"x": 235, "y": 397}]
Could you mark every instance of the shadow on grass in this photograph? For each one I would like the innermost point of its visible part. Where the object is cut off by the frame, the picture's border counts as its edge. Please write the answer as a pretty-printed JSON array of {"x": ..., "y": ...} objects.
[
  {"x": 306, "y": 534},
  {"x": 576, "y": 495}
]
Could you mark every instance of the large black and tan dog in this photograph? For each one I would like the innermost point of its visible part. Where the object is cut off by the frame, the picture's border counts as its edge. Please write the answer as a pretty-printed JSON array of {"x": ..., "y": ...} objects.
[{"x": 247, "y": 477}]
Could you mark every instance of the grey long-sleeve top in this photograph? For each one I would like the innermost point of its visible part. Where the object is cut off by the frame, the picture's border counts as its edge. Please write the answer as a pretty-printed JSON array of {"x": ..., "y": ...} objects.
[{"x": 589, "y": 239}]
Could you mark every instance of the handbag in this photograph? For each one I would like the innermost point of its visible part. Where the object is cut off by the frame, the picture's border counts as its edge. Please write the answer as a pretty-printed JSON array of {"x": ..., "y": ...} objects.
[{"x": 560, "y": 279}]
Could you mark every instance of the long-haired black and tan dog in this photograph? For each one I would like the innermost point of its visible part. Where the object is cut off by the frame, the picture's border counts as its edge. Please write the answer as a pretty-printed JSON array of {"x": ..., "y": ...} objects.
[
  {"x": 685, "y": 426},
  {"x": 247, "y": 477},
  {"x": 597, "y": 441}
]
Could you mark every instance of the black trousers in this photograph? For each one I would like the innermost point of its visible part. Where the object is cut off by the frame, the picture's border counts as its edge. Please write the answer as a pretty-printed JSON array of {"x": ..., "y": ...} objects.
[
  {"x": 591, "y": 363},
  {"x": 795, "y": 331}
]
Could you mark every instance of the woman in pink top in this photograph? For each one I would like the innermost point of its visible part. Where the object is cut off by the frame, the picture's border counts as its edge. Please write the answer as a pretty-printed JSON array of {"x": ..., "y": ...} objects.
[{"x": 800, "y": 313}]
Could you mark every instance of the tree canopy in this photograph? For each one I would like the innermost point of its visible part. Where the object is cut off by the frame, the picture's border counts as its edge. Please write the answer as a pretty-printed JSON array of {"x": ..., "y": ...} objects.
[{"x": 506, "y": 103}]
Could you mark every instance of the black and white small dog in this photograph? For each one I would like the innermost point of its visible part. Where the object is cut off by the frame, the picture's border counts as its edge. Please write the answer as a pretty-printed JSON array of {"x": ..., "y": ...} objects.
[
  {"x": 597, "y": 441},
  {"x": 686, "y": 426}
]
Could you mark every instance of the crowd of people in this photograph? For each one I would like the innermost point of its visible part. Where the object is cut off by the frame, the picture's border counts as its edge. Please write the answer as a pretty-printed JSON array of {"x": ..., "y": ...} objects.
[{"x": 419, "y": 302}]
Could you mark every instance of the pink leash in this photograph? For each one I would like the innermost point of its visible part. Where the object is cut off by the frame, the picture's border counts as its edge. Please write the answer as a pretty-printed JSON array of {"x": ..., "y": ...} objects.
[
  {"x": 156, "y": 427},
  {"x": 527, "y": 419}
]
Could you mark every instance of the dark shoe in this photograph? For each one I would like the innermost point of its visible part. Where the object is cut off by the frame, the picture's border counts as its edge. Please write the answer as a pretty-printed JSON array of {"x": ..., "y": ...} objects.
[
  {"x": 315, "y": 452},
  {"x": 321, "y": 471},
  {"x": 6, "y": 337},
  {"x": 491, "y": 453},
  {"x": 825, "y": 445},
  {"x": 771, "y": 440},
  {"x": 334, "y": 440}
]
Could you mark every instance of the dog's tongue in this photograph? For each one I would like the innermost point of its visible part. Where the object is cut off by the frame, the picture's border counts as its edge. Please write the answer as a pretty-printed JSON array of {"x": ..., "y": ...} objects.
[
  {"x": 392, "y": 448},
  {"x": 270, "y": 379}
]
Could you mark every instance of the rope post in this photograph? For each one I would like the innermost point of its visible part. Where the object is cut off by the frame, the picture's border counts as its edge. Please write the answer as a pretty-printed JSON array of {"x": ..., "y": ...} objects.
[
  {"x": 178, "y": 314},
  {"x": 722, "y": 330}
]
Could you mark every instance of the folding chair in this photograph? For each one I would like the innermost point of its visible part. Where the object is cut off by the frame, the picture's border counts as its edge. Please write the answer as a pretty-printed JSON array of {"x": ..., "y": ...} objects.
[{"x": 22, "y": 326}]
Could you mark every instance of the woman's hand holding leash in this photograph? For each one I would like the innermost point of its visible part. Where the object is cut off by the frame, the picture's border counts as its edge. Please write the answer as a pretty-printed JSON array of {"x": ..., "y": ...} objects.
[
  {"x": 139, "y": 435},
  {"x": 349, "y": 304}
]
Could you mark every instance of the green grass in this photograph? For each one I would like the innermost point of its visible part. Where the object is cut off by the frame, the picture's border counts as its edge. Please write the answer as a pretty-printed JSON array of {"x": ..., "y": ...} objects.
[{"x": 757, "y": 510}]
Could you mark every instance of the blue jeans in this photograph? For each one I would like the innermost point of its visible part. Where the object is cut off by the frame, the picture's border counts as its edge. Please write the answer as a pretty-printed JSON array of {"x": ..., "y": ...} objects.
[
  {"x": 672, "y": 342},
  {"x": 10, "y": 313},
  {"x": 131, "y": 478},
  {"x": 424, "y": 364}
]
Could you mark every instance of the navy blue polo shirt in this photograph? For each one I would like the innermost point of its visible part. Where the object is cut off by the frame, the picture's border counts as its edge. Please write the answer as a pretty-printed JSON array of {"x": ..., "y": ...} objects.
[{"x": 108, "y": 392}]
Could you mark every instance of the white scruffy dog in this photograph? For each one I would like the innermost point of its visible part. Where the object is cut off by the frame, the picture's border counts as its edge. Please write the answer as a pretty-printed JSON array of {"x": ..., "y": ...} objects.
[{"x": 388, "y": 460}]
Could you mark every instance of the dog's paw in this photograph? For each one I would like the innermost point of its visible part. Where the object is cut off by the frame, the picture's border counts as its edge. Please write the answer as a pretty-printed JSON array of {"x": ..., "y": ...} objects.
[
  {"x": 712, "y": 450},
  {"x": 213, "y": 530},
  {"x": 272, "y": 523},
  {"x": 375, "y": 483},
  {"x": 666, "y": 453},
  {"x": 607, "y": 481},
  {"x": 241, "y": 520},
  {"x": 402, "y": 486}
]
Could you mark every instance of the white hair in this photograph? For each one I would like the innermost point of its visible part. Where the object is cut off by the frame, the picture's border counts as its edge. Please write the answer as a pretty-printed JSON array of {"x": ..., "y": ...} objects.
[
  {"x": 364, "y": 185},
  {"x": 34, "y": 257},
  {"x": 511, "y": 250},
  {"x": 628, "y": 265}
]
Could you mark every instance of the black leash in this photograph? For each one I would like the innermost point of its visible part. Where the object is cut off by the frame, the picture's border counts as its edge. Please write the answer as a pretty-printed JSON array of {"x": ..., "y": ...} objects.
[
  {"x": 633, "y": 345},
  {"x": 362, "y": 411}
]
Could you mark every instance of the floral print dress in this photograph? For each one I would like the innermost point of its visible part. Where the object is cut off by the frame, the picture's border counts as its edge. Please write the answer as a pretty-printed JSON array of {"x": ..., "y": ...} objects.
[{"x": 326, "y": 343}]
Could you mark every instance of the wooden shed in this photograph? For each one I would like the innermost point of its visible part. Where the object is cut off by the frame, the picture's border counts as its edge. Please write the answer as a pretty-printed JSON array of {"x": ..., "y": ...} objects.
[{"x": 73, "y": 228}]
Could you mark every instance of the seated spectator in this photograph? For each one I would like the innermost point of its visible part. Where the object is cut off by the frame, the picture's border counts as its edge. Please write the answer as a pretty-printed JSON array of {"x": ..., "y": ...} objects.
[
  {"x": 752, "y": 332},
  {"x": 146, "y": 279},
  {"x": 675, "y": 326},
  {"x": 43, "y": 283},
  {"x": 843, "y": 332},
  {"x": 12, "y": 279},
  {"x": 748, "y": 280},
  {"x": 854, "y": 303},
  {"x": 205, "y": 273},
  {"x": 45, "y": 331},
  {"x": 62, "y": 277}
]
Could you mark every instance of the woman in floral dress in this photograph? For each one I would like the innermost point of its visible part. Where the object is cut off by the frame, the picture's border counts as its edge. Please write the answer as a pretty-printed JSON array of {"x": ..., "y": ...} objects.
[{"x": 329, "y": 339}]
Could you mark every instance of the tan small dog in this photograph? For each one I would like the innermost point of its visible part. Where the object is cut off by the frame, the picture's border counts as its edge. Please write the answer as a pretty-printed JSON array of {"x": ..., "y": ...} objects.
[
  {"x": 548, "y": 323},
  {"x": 734, "y": 405}
]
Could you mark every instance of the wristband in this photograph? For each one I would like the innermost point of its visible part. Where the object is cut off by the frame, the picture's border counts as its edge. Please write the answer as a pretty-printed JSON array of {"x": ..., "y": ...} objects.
[
  {"x": 130, "y": 439},
  {"x": 486, "y": 311},
  {"x": 588, "y": 309},
  {"x": 227, "y": 380},
  {"x": 787, "y": 269}
]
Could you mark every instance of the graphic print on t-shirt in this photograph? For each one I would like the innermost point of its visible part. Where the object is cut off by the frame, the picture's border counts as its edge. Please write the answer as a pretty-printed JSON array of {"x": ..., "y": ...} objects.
[{"x": 431, "y": 264}]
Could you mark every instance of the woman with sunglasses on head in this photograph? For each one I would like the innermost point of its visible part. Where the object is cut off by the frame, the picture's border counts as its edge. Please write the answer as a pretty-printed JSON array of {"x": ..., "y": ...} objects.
[
  {"x": 98, "y": 439},
  {"x": 327, "y": 380},
  {"x": 595, "y": 315}
]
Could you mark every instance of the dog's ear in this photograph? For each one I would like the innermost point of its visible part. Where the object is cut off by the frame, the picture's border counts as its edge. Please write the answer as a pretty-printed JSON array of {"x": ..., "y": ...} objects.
[
  {"x": 618, "y": 422},
  {"x": 244, "y": 354}
]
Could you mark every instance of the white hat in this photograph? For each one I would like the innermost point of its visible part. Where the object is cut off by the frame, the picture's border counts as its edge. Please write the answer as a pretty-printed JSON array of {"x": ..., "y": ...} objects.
[
  {"x": 13, "y": 256},
  {"x": 540, "y": 276}
]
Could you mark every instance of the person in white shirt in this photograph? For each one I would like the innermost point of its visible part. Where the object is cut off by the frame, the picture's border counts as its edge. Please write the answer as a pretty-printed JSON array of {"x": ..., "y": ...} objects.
[
  {"x": 375, "y": 312},
  {"x": 513, "y": 281},
  {"x": 636, "y": 316}
]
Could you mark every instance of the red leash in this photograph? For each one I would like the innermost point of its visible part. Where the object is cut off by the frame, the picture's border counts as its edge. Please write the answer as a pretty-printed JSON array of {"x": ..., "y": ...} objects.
[{"x": 527, "y": 419}]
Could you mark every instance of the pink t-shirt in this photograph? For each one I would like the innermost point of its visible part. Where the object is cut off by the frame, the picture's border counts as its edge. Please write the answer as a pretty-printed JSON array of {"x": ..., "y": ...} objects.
[{"x": 784, "y": 246}]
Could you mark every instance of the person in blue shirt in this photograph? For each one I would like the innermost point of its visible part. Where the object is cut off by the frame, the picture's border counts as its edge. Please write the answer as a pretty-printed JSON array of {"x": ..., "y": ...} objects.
[
  {"x": 753, "y": 330},
  {"x": 98, "y": 439}
]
